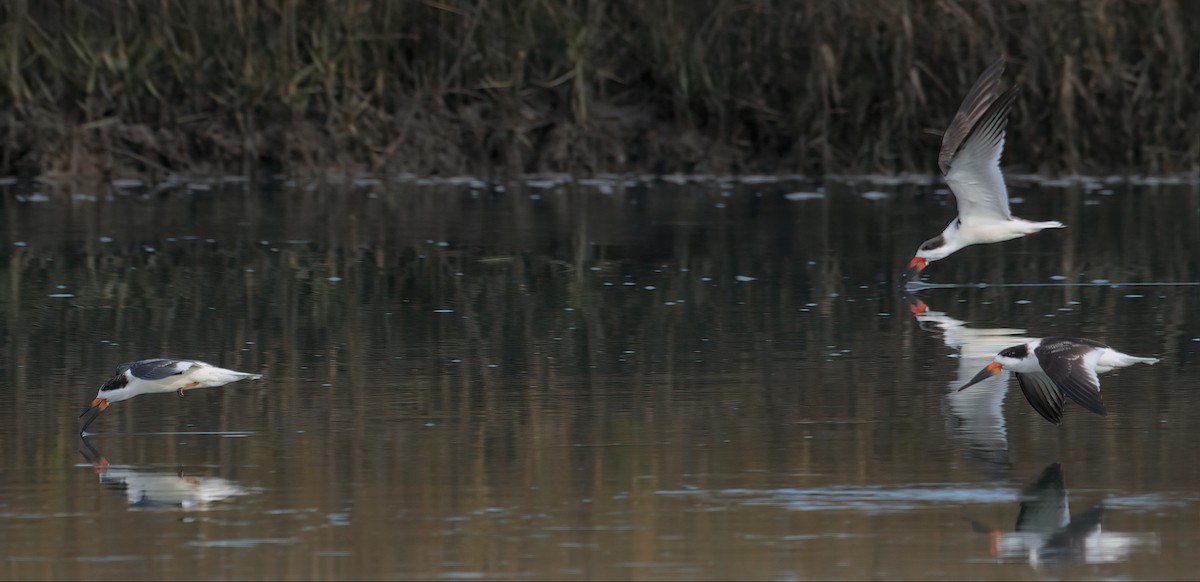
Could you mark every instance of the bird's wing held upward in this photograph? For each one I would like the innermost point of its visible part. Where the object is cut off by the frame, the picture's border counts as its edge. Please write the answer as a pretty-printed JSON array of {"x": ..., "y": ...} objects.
[
  {"x": 1042, "y": 395},
  {"x": 1070, "y": 364},
  {"x": 973, "y": 107},
  {"x": 158, "y": 369},
  {"x": 971, "y": 149}
]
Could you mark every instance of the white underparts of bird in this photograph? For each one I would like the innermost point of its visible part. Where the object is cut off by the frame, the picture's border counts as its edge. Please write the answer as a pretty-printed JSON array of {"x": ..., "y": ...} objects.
[
  {"x": 1053, "y": 369},
  {"x": 159, "y": 375},
  {"x": 970, "y": 161}
]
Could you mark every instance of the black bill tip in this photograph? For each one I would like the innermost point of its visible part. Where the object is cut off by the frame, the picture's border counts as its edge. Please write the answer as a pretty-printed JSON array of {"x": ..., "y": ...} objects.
[{"x": 987, "y": 372}]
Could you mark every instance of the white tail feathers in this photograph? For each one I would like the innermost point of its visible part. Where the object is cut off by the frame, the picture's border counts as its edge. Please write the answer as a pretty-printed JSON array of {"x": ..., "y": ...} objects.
[
  {"x": 1049, "y": 224},
  {"x": 209, "y": 375},
  {"x": 1024, "y": 227}
]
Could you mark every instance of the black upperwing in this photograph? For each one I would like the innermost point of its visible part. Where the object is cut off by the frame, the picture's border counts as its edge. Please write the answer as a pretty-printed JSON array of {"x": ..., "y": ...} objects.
[
  {"x": 1064, "y": 361},
  {"x": 979, "y": 100},
  {"x": 158, "y": 368}
]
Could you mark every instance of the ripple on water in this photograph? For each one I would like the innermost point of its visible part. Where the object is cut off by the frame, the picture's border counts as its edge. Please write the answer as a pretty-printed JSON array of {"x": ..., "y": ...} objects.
[
  {"x": 244, "y": 542},
  {"x": 868, "y": 499}
]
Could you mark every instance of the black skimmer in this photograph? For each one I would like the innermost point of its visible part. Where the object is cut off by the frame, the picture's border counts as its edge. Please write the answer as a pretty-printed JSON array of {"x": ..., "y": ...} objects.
[
  {"x": 970, "y": 160},
  {"x": 159, "y": 375},
  {"x": 1054, "y": 368}
]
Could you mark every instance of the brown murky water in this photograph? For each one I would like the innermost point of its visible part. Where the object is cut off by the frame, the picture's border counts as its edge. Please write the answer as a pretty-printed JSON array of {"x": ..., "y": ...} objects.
[{"x": 594, "y": 379}]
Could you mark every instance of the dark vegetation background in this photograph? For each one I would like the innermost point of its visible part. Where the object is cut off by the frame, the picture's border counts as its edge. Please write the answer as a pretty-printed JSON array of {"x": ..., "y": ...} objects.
[{"x": 125, "y": 87}]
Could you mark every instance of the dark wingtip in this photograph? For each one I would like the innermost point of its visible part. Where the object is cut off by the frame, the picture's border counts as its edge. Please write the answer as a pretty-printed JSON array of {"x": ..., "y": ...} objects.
[
  {"x": 975, "y": 105},
  {"x": 1057, "y": 417}
]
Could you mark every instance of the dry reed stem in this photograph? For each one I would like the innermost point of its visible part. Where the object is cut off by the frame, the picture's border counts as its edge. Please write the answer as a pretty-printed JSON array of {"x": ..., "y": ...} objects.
[{"x": 116, "y": 88}]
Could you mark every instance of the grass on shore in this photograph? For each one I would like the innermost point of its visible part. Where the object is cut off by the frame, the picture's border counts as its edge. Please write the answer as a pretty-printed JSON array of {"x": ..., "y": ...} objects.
[{"x": 120, "y": 87}]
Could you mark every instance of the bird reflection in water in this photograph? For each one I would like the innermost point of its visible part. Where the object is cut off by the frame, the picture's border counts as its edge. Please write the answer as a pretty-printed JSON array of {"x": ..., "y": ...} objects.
[
  {"x": 161, "y": 490},
  {"x": 976, "y": 417},
  {"x": 1047, "y": 535}
]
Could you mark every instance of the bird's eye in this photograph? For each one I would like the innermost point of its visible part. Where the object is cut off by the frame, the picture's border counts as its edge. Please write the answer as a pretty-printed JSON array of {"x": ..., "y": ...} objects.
[{"x": 932, "y": 243}]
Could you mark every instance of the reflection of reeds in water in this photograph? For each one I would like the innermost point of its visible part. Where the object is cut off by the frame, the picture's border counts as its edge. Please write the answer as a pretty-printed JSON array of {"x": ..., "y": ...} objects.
[
  {"x": 526, "y": 260},
  {"x": 714, "y": 85},
  {"x": 566, "y": 411}
]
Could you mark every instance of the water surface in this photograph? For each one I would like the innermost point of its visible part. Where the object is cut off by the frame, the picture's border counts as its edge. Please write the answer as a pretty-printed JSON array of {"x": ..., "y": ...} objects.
[{"x": 611, "y": 378}]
